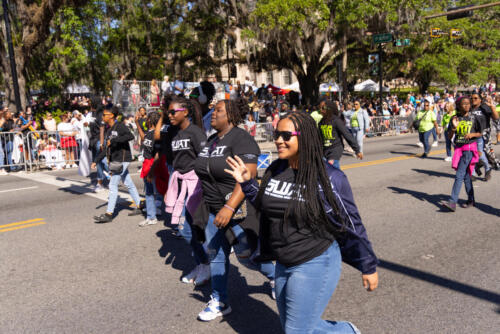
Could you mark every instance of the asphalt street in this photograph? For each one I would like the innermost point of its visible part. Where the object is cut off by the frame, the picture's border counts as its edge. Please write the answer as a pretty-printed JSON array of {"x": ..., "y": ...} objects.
[{"x": 61, "y": 273}]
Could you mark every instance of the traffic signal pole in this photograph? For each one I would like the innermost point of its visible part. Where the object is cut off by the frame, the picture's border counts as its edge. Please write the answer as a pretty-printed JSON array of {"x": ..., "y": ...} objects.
[
  {"x": 380, "y": 76},
  {"x": 12, "y": 59}
]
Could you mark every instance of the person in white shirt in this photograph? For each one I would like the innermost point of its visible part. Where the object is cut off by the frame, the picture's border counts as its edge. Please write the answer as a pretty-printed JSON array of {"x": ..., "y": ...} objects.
[
  {"x": 68, "y": 143},
  {"x": 135, "y": 92},
  {"x": 166, "y": 86},
  {"x": 179, "y": 86}
]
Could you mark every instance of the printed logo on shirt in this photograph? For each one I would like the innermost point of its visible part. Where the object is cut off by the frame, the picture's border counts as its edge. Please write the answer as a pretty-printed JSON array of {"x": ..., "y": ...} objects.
[
  {"x": 148, "y": 143},
  {"x": 280, "y": 189},
  {"x": 249, "y": 156},
  {"x": 218, "y": 152},
  {"x": 181, "y": 144}
]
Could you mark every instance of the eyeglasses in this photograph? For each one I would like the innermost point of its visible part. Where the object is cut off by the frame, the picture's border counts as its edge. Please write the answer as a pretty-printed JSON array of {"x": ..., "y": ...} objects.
[
  {"x": 173, "y": 111},
  {"x": 476, "y": 98},
  {"x": 286, "y": 135},
  {"x": 107, "y": 114}
]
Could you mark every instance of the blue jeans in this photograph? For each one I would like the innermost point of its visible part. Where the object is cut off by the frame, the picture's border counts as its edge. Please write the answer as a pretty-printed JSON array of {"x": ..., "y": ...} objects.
[
  {"x": 113, "y": 188},
  {"x": 9, "y": 147},
  {"x": 483, "y": 158},
  {"x": 101, "y": 165},
  {"x": 303, "y": 292},
  {"x": 2, "y": 155},
  {"x": 150, "y": 191},
  {"x": 434, "y": 134},
  {"x": 358, "y": 135},
  {"x": 463, "y": 176},
  {"x": 218, "y": 251},
  {"x": 186, "y": 230},
  {"x": 424, "y": 139},
  {"x": 448, "y": 144}
]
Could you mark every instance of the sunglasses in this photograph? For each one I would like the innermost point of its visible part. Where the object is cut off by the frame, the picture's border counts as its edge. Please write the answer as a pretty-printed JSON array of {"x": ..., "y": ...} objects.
[
  {"x": 173, "y": 111},
  {"x": 286, "y": 135}
]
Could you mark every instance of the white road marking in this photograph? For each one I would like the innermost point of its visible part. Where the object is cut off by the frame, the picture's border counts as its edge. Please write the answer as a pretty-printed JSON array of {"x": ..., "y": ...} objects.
[
  {"x": 17, "y": 189},
  {"x": 76, "y": 186}
]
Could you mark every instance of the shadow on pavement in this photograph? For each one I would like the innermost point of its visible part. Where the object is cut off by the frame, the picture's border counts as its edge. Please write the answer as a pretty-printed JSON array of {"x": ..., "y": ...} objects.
[
  {"x": 434, "y": 173},
  {"x": 439, "y": 198},
  {"x": 416, "y": 155},
  {"x": 472, "y": 291},
  {"x": 409, "y": 145}
]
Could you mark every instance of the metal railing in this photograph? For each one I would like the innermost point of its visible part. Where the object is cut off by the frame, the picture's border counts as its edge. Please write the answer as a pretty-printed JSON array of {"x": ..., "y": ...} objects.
[
  {"x": 13, "y": 151},
  {"x": 390, "y": 125}
]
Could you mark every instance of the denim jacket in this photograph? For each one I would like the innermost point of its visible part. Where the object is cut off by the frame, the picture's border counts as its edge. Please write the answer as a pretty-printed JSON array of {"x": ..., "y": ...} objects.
[
  {"x": 363, "y": 118},
  {"x": 354, "y": 245}
]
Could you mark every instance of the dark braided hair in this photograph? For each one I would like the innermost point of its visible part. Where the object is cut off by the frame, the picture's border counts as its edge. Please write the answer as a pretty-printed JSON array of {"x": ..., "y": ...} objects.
[
  {"x": 152, "y": 119},
  {"x": 236, "y": 110},
  {"x": 305, "y": 209},
  {"x": 331, "y": 111},
  {"x": 193, "y": 107}
]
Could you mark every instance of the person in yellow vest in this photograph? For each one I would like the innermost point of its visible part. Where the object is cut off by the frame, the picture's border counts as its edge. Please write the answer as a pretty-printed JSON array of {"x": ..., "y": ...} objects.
[
  {"x": 360, "y": 122},
  {"x": 428, "y": 121},
  {"x": 450, "y": 112}
]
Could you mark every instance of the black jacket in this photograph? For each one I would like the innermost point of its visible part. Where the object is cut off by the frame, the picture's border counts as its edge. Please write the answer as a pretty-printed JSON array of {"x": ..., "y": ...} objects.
[
  {"x": 332, "y": 133},
  {"x": 119, "y": 149}
]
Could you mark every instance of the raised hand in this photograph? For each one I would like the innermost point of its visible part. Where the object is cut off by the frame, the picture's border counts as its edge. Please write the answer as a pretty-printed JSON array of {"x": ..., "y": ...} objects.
[{"x": 239, "y": 171}]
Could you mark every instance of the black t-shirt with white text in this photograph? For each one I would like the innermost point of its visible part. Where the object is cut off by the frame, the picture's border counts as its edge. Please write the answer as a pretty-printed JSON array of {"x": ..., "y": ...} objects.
[
  {"x": 291, "y": 243},
  {"x": 167, "y": 134},
  {"x": 236, "y": 142},
  {"x": 484, "y": 113},
  {"x": 149, "y": 146},
  {"x": 186, "y": 145}
]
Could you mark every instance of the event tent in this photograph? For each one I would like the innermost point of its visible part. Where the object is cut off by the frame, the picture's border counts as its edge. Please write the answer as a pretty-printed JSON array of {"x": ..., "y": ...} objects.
[{"x": 369, "y": 86}]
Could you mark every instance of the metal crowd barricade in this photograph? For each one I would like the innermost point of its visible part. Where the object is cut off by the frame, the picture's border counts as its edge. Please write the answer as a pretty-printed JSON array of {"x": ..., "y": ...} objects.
[
  {"x": 264, "y": 132},
  {"x": 13, "y": 148},
  {"x": 131, "y": 101},
  {"x": 53, "y": 150},
  {"x": 380, "y": 125}
]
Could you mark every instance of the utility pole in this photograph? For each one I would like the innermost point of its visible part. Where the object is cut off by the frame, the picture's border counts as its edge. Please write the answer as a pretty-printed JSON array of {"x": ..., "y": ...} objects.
[
  {"x": 12, "y": 59},
  {"x": 380, "y": 75}
]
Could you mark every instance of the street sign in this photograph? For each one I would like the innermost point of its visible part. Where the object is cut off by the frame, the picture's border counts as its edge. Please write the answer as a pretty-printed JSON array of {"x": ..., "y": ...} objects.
[
  {"x": 382, "y": 38},
  {"x": 373, "y": 58},
  {"x": 455, "y": 33}
]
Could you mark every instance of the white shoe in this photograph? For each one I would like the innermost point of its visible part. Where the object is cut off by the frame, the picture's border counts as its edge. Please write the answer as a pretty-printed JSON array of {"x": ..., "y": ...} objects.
[
  {"x": 68, "y": 166},
  {"x": 447, "y": 159},
  {"x": 203, "y": 275},
  {"x": 74, "y": 166},
  {"x": 435, "y": 144},
  {"x": 213, "y": 310},
  {"x": 189, "y": 278},
  {"x": 419, "y": 144},
  {"x": 98, "y": 188},
  {"x": 148, "y": 222},
  {"x": 3, "y": 172}
]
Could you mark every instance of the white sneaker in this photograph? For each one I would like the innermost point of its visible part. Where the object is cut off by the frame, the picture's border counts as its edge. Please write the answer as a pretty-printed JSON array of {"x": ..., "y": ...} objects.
[
  {"x": 98, "y": 188},
  {"x": 189, "y": 278},
  {"x": 447, "y": 159},
  {"x": 419, "y": 144},
  {"x": 435, "y": 144},
  {"x": 148, "y": 222},
  {"x": 68, "y": 166},
  {"x": 74, "y": 166},
  {"x": 273, "y": 289},
  {"x": 203, "y": 275},
  {"x": 3, "y": 172},
  {"x": 213, "y": 310}
]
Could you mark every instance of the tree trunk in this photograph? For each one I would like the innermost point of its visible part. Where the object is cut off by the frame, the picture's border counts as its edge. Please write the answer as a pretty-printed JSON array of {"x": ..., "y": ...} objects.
[
  {"x": 309, "y": 88},
  {"x": 345, "y": 91}
]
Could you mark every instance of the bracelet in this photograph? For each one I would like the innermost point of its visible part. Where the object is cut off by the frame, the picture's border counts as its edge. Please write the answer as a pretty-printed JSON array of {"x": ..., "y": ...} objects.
[{"x": 228, "y": 207}]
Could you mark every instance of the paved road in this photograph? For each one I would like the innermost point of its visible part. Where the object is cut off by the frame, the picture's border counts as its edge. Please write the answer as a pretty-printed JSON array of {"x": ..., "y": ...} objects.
[{"x": 61, "y": 273}]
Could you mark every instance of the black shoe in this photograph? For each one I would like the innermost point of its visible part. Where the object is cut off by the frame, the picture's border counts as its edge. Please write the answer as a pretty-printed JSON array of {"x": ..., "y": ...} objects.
[
  {"x": 104, "y": 218},
  {"x": 477, "y": 168},
  {"x": 473, "y": 178},
  {"x": 135, "y": 212},
  {"x": 423, "y": 156},
  {"x": 450, "y": 206},
  {"x": 487, "y": 176},
  {"x": 468, "y": 204}
]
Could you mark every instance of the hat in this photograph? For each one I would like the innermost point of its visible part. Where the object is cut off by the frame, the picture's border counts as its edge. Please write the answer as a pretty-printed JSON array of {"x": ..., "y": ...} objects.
[{"x": 76, "y": 112}]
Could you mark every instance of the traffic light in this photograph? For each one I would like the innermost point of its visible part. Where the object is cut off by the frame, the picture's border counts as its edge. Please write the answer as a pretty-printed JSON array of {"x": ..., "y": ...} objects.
[
  {"x": 436, "y": 32},
  {"x": 458, "y": 15},
  {"x": 455, "y": 33}
]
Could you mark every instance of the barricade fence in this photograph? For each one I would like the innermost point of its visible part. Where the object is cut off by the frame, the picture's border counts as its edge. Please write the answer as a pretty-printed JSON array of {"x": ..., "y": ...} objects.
[{"x": 58, "y": 150}]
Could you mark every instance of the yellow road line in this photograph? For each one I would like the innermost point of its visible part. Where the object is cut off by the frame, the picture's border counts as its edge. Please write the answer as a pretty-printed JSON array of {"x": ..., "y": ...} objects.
[
  {"x": 20, "y": 223},
  {"x": 20, "y": 227},
  {"x": 384, "y": 161}
]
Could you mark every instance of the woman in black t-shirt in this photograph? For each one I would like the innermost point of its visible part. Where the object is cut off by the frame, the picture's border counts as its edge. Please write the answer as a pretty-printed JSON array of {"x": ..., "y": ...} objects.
[
  {"x": 225, "y": 202},
  {"x": 333, "y": 130},
  {"x": 184, "y": 192},
  {"x": 308, "y": 219},
  {"x": 465, "y": 129}
]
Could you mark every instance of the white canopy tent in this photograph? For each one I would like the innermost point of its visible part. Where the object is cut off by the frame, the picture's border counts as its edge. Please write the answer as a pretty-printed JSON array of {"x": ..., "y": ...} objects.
[
  {"x": 329, "y": 87},
  {"x": 77, "y": 89},
  {"x": 369, "y": 86},
  {"x": 295, "y": 86}
]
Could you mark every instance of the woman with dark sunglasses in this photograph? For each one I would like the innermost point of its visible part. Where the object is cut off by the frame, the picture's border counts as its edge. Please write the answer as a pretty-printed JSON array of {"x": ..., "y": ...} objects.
[
  {"x": 308, "y": 238},
  {"x": 184, "y": 192},
  {"x": 118, "y": 151},
  {"x": 229, "y": 220}
]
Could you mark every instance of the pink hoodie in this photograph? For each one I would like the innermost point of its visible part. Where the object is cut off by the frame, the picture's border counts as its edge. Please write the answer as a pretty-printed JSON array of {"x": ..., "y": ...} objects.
[
  {"x": 458, "y": 154},
  {"x": 174, "y": 200}
]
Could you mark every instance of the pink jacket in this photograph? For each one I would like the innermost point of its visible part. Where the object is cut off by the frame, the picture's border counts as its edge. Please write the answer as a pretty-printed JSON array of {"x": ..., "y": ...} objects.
[
  {"x": 174, "y": 199},
  {"x": 458, "y": 154}
]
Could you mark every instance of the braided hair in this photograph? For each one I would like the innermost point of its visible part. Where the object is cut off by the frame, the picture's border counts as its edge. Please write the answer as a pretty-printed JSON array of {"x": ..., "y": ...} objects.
[
  {"x": 304, "y": 209},
  {"x": 152, "y": 119},
  {"x": 236, "y": 110},
  {"x": 193, "y": 108}
]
